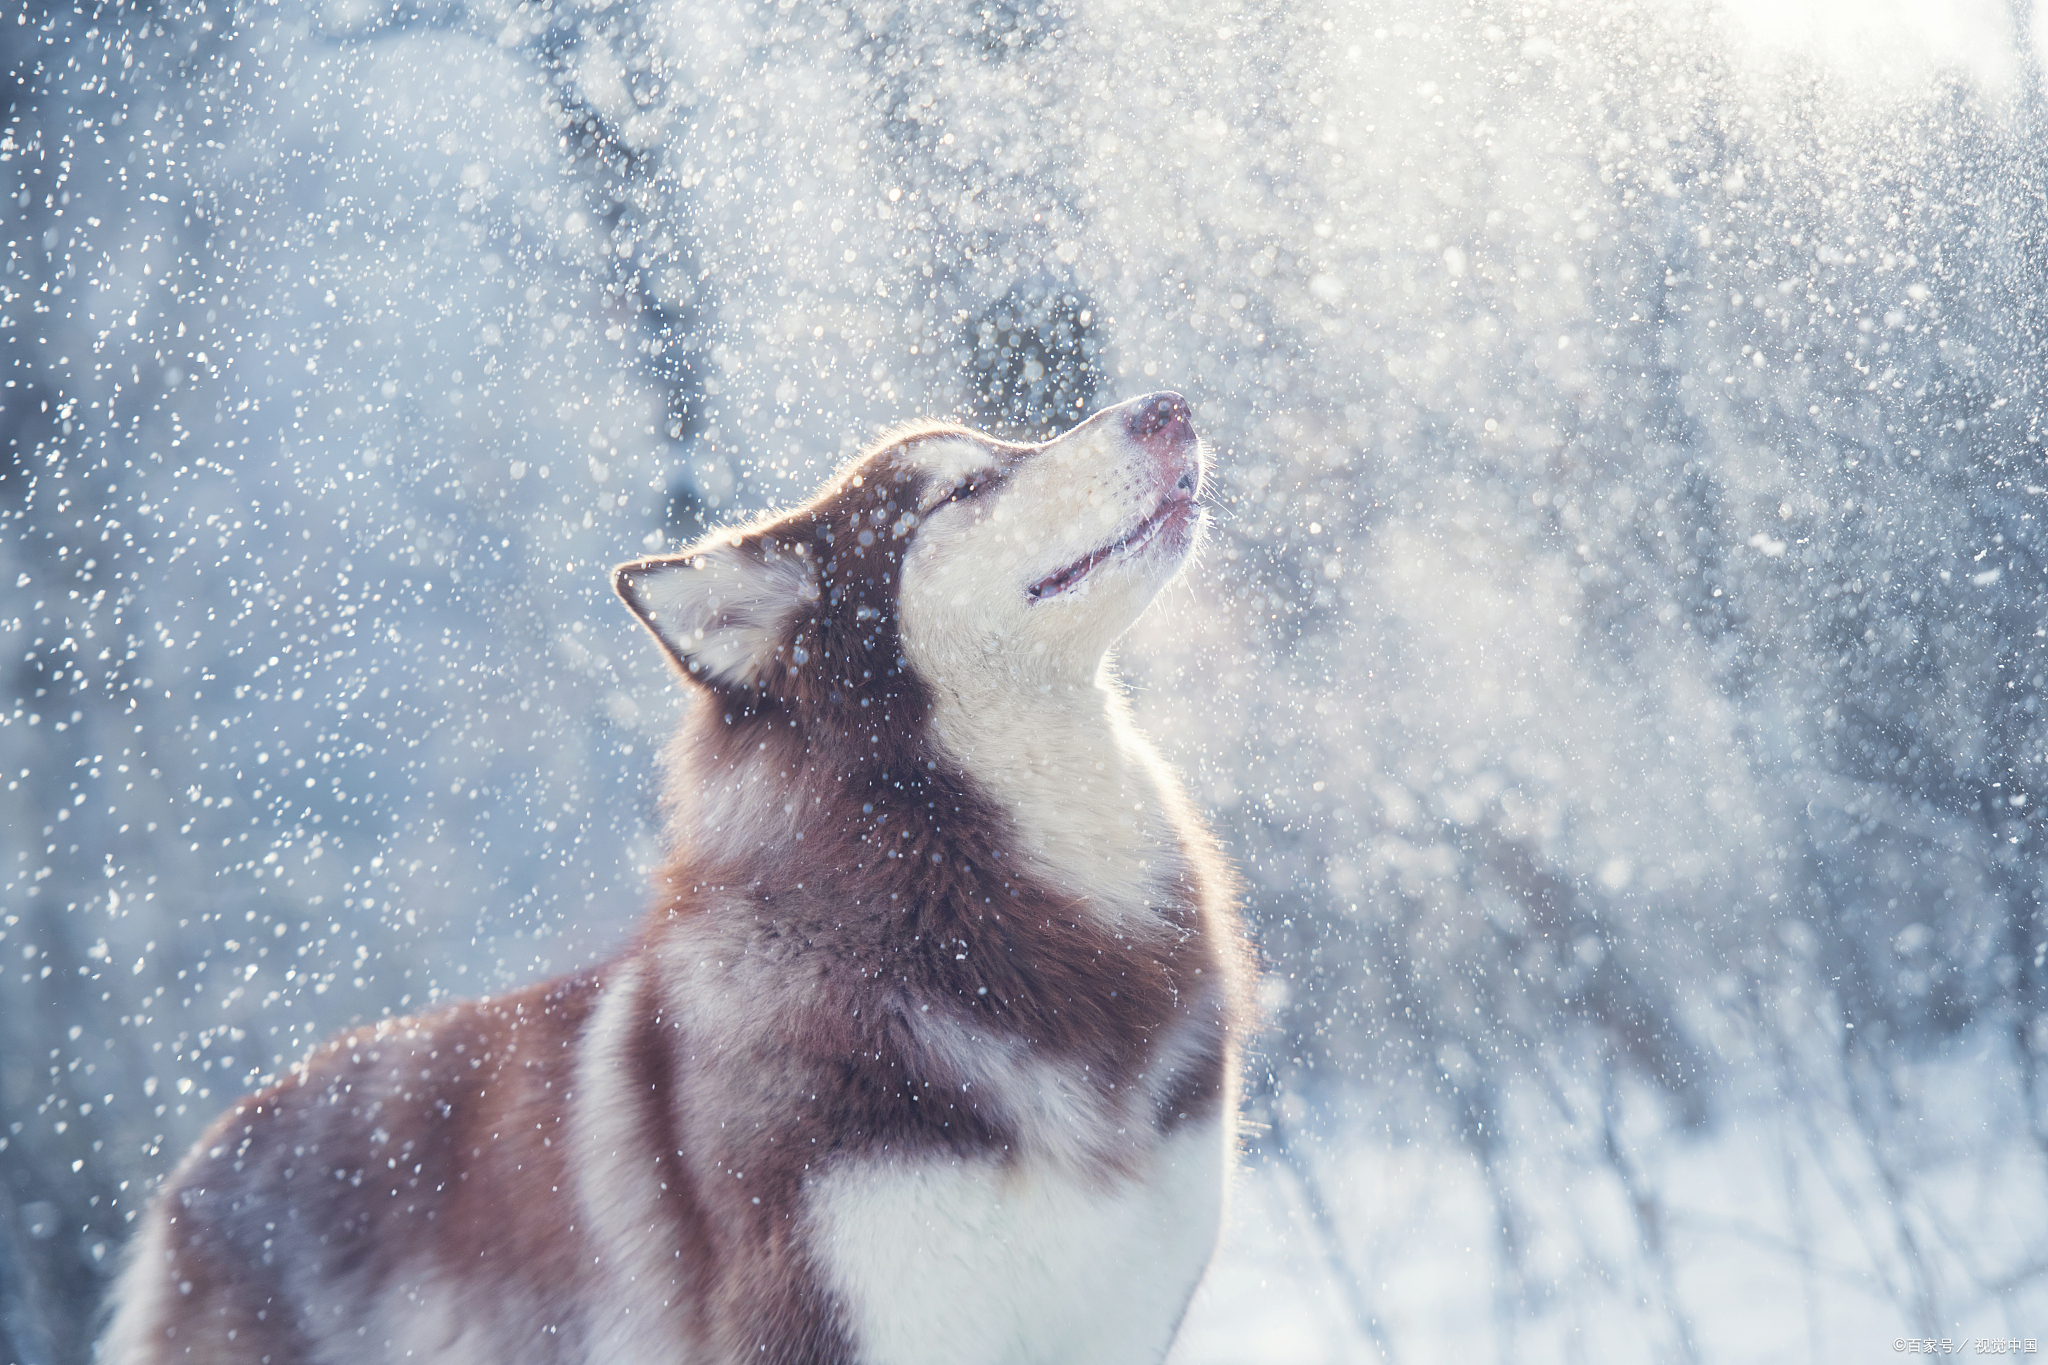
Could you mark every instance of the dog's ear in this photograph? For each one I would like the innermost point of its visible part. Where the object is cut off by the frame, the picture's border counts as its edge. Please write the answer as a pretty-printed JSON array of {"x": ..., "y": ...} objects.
[{"x": 725, "y": 609}]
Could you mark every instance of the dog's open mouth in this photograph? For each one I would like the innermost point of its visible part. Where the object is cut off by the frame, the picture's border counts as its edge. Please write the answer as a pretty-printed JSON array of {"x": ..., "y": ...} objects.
[{"x": 1177, "y": 503}]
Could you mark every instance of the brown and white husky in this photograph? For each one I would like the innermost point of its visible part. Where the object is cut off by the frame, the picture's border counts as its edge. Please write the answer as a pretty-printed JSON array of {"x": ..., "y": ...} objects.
[{"x": 926, "y": 1052}]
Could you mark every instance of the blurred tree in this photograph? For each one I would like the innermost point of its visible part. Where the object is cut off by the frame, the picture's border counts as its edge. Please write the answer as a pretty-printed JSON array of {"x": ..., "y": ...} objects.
[{"x": 1035, "y": 360}]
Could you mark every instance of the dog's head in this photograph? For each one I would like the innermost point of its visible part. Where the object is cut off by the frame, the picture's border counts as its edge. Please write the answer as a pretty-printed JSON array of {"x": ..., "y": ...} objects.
[{"x": 941, "y": 555}]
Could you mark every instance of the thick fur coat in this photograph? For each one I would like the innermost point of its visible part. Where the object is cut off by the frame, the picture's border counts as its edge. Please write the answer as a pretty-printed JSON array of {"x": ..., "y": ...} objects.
[{"x": 926, "y": 1051}]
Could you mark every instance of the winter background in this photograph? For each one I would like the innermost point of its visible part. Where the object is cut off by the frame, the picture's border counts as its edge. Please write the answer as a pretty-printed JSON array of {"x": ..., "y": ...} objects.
[{"x": 1618, "y": 667}]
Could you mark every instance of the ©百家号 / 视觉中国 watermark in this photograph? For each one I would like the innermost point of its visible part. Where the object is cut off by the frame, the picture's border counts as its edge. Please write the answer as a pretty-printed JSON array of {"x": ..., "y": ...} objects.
[{"x": 1955, "y": 1346}]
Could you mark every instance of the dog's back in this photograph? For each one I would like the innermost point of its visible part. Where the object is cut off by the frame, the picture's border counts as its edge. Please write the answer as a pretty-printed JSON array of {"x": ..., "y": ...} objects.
[
  {"x": 403, "y": 1173},
  {"x": 926, "y": 1052}
]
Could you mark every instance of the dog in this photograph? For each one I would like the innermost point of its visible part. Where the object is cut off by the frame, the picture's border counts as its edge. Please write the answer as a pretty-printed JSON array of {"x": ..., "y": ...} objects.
[{"x": 927, "y": 1050}]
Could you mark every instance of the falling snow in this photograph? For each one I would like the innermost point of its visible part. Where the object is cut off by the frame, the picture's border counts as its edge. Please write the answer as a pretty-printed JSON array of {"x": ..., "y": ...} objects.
[{"x": 1617, "y": 667}]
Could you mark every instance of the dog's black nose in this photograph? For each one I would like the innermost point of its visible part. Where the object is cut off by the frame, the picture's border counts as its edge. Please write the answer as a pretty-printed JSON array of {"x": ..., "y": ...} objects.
[{"x": 1161, "y": 415}]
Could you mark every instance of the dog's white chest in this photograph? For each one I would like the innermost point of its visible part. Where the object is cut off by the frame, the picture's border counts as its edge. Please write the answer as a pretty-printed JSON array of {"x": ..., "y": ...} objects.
[{"x": 939, "y": 1260}]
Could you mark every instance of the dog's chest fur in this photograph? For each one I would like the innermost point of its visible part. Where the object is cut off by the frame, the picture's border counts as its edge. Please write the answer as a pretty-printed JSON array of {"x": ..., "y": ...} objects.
[
  {"x": 988, "y": 1116},
  {"x": 965, "y": 1199},
  {"x": 941, "y": 1260}
]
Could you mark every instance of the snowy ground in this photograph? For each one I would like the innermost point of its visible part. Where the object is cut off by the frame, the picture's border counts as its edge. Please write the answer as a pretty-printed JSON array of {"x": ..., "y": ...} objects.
[{"x": 1781, "y": 1244}]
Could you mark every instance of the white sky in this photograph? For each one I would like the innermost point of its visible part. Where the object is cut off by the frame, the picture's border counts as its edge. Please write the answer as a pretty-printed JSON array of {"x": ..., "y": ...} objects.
[{"x": 1885, "y": 40}]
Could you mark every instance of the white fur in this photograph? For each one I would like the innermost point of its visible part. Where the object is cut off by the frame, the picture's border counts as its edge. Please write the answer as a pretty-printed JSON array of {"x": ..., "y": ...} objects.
[
  {"x": 139, "y": 1294},
  {"x": 724, "y": 611},
  {"x": 1023, "y": 697},
  {"x": 618, "y": 1188},
  {"x": 952, "y": 459},
  {"x": 1032, "y": 1263},
  {"x": 1055, "y": 1109},
  {"x": 424, "y": 1322},
  {"x": 1085, "y": 790}
]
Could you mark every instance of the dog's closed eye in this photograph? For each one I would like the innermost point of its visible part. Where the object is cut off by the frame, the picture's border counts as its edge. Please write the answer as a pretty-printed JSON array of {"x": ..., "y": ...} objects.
[{"x": 962, "y": 491}]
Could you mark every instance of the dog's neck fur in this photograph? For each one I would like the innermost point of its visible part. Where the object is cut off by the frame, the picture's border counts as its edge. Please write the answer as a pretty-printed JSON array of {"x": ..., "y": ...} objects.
[
  {"x": 1088, "y": 799},
  {"x": 1087, "y": 806}
]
